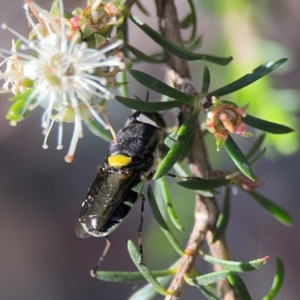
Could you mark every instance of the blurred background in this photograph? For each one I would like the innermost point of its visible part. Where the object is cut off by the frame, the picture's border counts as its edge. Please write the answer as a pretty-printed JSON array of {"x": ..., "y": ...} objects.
[{"x": 41, "y": 195}]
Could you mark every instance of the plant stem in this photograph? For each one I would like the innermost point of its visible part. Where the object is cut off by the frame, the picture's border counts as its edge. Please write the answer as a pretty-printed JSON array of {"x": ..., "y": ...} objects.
[{"x": 206, "y": 209}]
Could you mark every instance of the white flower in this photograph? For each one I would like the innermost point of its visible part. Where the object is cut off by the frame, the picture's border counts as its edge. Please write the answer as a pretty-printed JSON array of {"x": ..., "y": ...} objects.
[
  {"x": 62, "y": 73},
  {"x": 12, "y": 74}
]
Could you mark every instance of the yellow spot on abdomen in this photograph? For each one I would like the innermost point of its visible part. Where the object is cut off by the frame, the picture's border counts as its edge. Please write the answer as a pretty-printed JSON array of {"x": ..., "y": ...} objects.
[{"x": 119, "y": 160}]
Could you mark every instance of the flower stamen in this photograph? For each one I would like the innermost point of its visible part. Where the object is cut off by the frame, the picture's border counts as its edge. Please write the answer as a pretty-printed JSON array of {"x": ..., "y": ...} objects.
[{"x": 61, "y": 74}]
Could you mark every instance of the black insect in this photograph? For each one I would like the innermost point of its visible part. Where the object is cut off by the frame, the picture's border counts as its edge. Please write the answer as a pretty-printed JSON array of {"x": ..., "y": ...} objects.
[{"x": 118, "y": 185}]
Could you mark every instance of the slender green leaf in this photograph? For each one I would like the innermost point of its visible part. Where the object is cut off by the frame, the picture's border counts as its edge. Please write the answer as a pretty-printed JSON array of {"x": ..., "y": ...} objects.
[
  {"x": 238, "y": 158},
  {"x": 147, "y": 106},
  {"x": 195, "y": 44},
  {"x": 223, "y": 216},
  {"x": 117, "y": 276},
  {"x": 266, "y": 125},
  {"x": 170, "y": 209},
  {"x": 143, "y": 268},
  {"x": 161, "y": 222},
  {"x": 180, "y": 171},
  {"x": 276, "y": 211},
  {"x": 157, "y": 57},
  {"x": 278, "y": 280},
  {"x": 190, "y": 19},
  {"x": 256, "y": 145},
  {"x": 249, "y": 78},
  {"x": 205, "y": 80},
  {"x": 144, "y": 57},
  {"x": 174, "y": 49},
  {"x": 98, "y": 131},
  {"x": 208, "y": 278},
  {"x": 172, "y": 139},
  {"x": 16, "y": 111},
  {"x": 123, "y": 88},
  {"x": 193, "y": 21},
  {"x": 186, "y": 22},
  {"x": 160, "y": 87},
  {"x": 239, "y": 286},
  {"x": 237, "y": 266},
  {"x": 147, "y": 292},
  {"x": 142, "y": 8},
  {"x": 207, "y": 293},
  {"x": 23, "y": 96},
  {"x": 257, "y": 157},
  {"x": 203, "y": 184},
  {"x": 185, "y": 133},
  {"x": 252, "y": 161}
]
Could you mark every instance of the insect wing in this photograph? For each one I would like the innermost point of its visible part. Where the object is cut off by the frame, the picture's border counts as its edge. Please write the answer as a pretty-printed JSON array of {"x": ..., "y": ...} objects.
[
  {"x": 108, "y": 190},
  {"x": 100, "y": 203}
]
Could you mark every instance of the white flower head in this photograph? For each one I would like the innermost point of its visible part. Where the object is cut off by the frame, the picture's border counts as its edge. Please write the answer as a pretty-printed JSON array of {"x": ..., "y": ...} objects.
[
  {"x": 13, "y": 73},
  {"x": 63, "y": 73}
]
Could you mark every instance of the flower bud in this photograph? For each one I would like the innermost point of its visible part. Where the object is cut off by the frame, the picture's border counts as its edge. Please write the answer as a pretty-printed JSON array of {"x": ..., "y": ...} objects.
[{"x": 224, "y": 119}]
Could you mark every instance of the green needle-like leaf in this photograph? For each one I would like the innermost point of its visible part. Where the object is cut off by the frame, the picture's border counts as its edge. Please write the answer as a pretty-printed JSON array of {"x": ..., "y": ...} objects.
[
  {"x": 174, "y": 49},
  {"x": 239, "y": 286},
  {"x": 237, "y": 266},
  {"x": 206, "y": 193},
  {"x": 172, "y": 139},
  {"x": 193, "y": 21},
  {"x": 257, "y": 157},
  {"x": 142, "y": 8},
  {"x": 143, "y": 268},
  {"x": 266, "y": 125},
  {"x": 203, "y": 184},
  {"x": 206, "y": 290},
  {"x": 205, "y": 80},
  {"x": 277, "y": 282},
  {"x": 170, "y": 209},
  {"x": 144, "y": 57},
  {"x": 185, "y": 133},
  {"x": 190, "y": 19},
  {"x": 277, "y": 212},
  {"x": 16, "y": 111},
  {"x": 208, "y": 278},
  {"x": 161, "y": 222},
  {"x": 256, "y": 146},
  {"x": 160, "y": 87},
  {"x": 207, "y": 293},
  {"x": 238, "y": 157},
  {"x": 186, "y": 22},
  {"x": 147, "y": 292},
  {"x": 223, "y": 216},
  {"x": 249, "y": 78},
  {"x": 116, "y": 276},
  {"x": 97, "y": 130},
  {"x": 23, "y": 96},
  {"x": 147, "y": 106},
  {"x": 195, "y": 44}
]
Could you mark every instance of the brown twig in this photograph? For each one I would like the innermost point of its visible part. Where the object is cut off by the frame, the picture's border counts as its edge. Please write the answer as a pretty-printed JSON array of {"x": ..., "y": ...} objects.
[{"x": 206, "y": 210}]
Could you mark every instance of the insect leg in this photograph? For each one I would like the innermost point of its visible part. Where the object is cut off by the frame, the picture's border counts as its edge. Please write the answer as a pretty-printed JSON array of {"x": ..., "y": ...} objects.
[
  {"x": 108, "y": 126},
  {"x": 140, "y": 240},
  {"x": 108, "y": 244}
]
